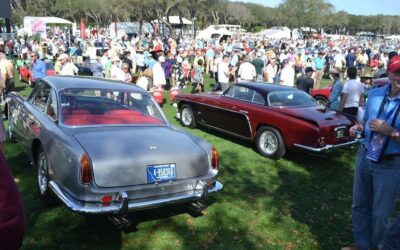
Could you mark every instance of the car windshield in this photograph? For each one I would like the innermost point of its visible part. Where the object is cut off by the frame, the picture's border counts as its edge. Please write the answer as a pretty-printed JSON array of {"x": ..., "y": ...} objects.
[
  {"x": 290, "y": 98},
  {"x": 83, "y": 107}
]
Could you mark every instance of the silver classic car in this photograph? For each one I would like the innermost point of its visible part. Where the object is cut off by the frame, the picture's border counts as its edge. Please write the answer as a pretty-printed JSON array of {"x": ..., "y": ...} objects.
[{"x": 105, "y": 147}]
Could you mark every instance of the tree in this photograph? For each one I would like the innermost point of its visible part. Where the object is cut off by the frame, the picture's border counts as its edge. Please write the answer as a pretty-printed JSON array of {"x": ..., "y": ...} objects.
[{"x": 305, "y": 13}]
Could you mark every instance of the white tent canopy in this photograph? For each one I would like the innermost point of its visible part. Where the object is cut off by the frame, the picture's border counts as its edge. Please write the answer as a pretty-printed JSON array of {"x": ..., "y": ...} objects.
[
  {"x": 212, "y": 32},
  {"x": 175, "y": 20},
  {"x": 34, "y": 24},
  {"x": 277, "y": 33},
  {"x": 393, "y": 37}
]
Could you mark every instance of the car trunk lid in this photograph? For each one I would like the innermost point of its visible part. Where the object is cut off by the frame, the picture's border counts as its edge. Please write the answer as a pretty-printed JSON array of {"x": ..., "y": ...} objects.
[
  {"x": 318, "y": 116},
  {"x": 121, "y": 156}
]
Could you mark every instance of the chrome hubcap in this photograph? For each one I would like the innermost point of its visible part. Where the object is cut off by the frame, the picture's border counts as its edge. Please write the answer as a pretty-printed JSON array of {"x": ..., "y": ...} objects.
[
  {"x": 186, "y": 117},
  {"x": 42, "y": 173},
  {"x": 268, "y": 142}
]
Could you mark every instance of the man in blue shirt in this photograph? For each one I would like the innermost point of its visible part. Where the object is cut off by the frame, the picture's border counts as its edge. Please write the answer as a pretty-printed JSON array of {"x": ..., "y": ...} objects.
[
  {"x": 38, "y": 67},
  {"x": 350, "y": 59},
  {"x": 377, "y": 170}
]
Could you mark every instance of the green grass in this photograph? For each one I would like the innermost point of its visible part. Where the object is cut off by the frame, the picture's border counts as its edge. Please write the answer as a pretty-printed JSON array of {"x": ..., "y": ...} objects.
[{"x": 298, "y": 202}]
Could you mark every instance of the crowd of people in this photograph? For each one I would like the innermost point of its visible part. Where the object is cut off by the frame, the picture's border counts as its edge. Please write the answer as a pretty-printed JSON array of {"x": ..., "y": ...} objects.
[
  {"x": 167, "y": 63},
  {"x": 177, "y": 62}
]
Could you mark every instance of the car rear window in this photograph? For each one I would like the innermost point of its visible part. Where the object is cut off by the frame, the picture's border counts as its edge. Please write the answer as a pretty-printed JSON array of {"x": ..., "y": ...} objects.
[
  {"x": 83, "y": 107},
  {"x": 290, "y": 98}
]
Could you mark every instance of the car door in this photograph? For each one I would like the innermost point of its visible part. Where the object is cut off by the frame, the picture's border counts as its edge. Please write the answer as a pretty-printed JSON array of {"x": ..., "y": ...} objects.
[
  {"x": 32, "y": 113},
  {"x": 223, "y": 114},
  {"x": 241, "y": 101}
]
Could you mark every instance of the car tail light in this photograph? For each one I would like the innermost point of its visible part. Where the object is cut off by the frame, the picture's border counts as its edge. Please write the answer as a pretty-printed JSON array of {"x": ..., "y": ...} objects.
[
  {"x": 214, "y": 159},
  {"x": 86, "y": 169}
]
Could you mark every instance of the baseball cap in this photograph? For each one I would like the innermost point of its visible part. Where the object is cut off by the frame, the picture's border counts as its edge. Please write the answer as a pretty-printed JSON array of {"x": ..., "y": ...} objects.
[
  {"x": 309, "y": 69},
  {"x": 394, "y": 64},
  {"x": 62, "y": 56}
]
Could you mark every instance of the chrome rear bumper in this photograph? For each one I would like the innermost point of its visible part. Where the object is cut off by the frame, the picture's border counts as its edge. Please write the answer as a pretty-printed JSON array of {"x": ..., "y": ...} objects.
[
  {"x": 123, "y": 204},
  {"x": 325, "y": 148}
]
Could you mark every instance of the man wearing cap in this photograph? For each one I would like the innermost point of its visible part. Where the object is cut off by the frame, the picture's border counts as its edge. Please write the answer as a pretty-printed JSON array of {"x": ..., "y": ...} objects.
[
  {"x": 306, "y": 82},
  {"x": 376, "y": 179},
  {"x": 259, "y": 65},
  {"x": 67, "y": 68},
  {"x": 158, "y": 73},
  {"x": 336, "y": 92},
  {"x": 247, "y": 71},
  {"x": 116, "y": 72}
]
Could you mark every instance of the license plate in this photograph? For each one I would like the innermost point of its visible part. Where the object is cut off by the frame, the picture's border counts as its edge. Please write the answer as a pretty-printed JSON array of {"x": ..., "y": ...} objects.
[
  {"x": 161, "y": 173},
  {"x": 340, "y": 132}
]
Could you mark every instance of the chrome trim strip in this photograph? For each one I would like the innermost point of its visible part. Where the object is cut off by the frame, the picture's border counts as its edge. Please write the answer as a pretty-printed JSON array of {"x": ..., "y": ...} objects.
[
  {"x": 327, "y": 147},
  {"x": 124, "y": 205},
  {"x": 224, "y": 131}
]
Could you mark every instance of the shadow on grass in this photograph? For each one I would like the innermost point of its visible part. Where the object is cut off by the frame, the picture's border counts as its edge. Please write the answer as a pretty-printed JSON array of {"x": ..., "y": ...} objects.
[
  {"x": 225, "y": 136},
  {"x": 20, "y": 88},
  {"x": 320, "y": 197}
]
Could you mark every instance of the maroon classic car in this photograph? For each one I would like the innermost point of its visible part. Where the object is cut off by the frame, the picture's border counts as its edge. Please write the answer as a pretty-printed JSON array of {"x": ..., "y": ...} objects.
[{"x": 277, "y": 118}]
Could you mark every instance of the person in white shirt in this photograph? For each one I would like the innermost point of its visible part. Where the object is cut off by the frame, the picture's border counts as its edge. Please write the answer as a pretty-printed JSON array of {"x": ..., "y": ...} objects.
[
  {"x": 104, "y": 60},
  {"x": 270, "y": 71},
  {"x": 339, "y": 63},
  {"x": 352, "y": 94},
  {"x": 158, "y": 73},
  {"x": 67, "y": 68},
  {"x": 287, "y": 74},
  {"x": 116, "y": 72},
  {"x": 247, "y": 71},
  {"x": 224, "y": 73},
  {"x": 144, "y": 80},
  {"x": 217, "y": 61}
]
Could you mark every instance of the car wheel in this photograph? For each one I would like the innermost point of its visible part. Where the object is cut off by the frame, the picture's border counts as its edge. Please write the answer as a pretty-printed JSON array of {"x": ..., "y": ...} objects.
[
  {"x": 321, "y": 100},
  {"x": 10, "y": 133},
  {"x": 187, "y": 116},
  {"x": 44, "y": 178},
  {"x": 270, "y": 143}
]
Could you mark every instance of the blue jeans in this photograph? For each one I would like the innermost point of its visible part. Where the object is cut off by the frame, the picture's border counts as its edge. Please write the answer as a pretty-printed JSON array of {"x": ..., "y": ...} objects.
[
  {"x": 392, "y": 238},
  {"x": 376, "y": 188}
]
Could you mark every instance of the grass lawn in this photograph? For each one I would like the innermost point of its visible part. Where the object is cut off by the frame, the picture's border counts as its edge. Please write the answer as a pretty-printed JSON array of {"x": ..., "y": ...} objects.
[{"x": 298, "y": 202}]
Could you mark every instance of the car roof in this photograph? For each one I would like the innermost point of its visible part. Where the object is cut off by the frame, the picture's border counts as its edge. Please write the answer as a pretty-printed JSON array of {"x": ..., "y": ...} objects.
[
  {"x": 265, "y": 88},
  {"x": 89, "y": 82}
]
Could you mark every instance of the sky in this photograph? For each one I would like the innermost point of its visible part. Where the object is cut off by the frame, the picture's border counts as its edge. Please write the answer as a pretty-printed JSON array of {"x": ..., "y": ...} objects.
[{"x": 356, "y": 7}]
